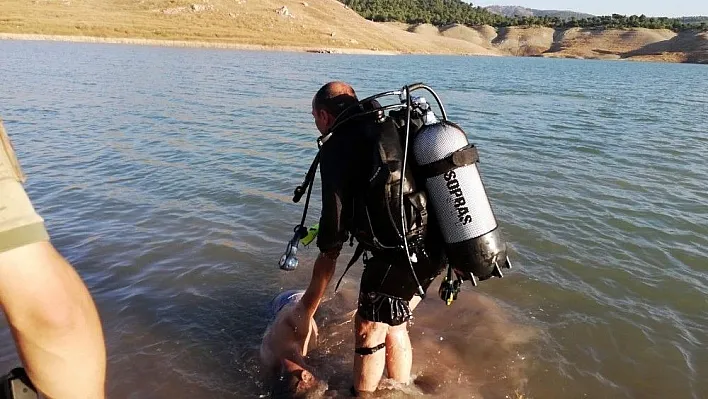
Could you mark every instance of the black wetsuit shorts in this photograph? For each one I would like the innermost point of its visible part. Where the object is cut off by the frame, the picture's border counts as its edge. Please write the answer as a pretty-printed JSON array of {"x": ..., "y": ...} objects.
[{"x": 387, "y": 288}]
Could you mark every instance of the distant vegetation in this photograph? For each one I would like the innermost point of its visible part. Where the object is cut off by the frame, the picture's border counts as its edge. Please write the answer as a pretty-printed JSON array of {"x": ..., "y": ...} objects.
[
  {"x": 694, "y": 20},
  {"x": 516, "y": 11},
  {"x": 444, "y": 12},
  {"x": 436, "y": 12}
]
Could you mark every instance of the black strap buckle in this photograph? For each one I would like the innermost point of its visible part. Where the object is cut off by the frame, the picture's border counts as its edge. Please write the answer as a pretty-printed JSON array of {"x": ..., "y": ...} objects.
[
  {"x": 466, "y": 155},
  {"x": 17, "y": 385}
]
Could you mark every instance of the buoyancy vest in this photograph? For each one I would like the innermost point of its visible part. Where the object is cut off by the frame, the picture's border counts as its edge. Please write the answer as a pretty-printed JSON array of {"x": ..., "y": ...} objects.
[{"x": 376, "y": 219}]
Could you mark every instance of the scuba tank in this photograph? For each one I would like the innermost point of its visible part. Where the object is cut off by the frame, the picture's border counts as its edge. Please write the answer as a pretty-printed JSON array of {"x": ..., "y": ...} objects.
[{"x": 448, "y": 164}]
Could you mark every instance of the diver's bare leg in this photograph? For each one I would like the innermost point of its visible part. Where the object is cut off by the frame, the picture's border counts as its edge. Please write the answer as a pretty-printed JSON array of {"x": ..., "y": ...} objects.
[
  {"x": 368, "y": 367},
  {"x": 399, "y": 354}
]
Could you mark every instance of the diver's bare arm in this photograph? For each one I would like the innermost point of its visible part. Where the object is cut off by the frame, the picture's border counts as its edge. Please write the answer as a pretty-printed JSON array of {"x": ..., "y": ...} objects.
[
  {"x": 322, "y": 273},
  {"x": 54, "y": 321}
]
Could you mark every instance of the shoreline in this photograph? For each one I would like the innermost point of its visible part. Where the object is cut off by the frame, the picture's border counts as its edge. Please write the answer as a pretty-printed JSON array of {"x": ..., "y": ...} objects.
[
  {"x": 190, "y": 44},
  {"x": 314, "y": 49},
  {"x": 325, "y": 27}
]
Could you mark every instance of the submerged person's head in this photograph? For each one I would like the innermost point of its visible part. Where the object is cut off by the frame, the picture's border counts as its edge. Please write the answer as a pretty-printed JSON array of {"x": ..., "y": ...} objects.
[
  {"x": 329, "y": 101},
  {"x": 297, "y": 383}
]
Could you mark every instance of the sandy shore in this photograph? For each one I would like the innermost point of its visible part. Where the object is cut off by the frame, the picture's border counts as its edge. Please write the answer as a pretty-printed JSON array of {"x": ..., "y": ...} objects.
[{"x": 189, "y": 43}]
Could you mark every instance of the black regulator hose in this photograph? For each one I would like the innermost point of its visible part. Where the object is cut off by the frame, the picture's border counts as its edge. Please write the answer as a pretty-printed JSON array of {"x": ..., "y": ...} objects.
[
  {"x": 301, "y": 229},
  {"x": 404, "y": 223},
  {"x": 309, "y": 182},
  {"x": 309, "y": 177}
]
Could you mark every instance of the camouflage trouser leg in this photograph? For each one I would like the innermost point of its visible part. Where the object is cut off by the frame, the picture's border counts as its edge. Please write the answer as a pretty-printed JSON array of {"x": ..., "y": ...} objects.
[{"x": 19, "y": 222}]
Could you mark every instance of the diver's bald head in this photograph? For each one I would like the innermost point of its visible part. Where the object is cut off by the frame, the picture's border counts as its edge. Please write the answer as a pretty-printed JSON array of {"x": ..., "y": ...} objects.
[{"x": 334, "y": 97}]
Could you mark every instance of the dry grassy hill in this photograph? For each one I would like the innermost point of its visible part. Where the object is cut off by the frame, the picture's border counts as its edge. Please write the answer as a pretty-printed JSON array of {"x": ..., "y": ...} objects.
[
  {"x": 480, "y": 35},
  {"x": 684, "y": 47},
  {"x": 606, "y": 43},
  {"x": 525, "y": 41},
  {"x": 322, "y": 25},
  {"x": 282, "y": 23},
  {"x": 633, "y": 44}
]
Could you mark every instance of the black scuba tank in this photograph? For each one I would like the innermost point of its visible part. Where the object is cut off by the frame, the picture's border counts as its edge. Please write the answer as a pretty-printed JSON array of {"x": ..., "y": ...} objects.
[{"x": 447, "y": 163}]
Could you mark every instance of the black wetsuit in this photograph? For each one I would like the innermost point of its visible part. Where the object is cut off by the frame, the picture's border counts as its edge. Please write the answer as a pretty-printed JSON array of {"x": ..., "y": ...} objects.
[{"x": 387, "y": 284}]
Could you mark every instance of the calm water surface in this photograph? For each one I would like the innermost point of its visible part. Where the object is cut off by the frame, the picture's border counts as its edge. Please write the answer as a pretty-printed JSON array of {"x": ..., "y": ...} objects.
[{"x": 165, "y": 176}]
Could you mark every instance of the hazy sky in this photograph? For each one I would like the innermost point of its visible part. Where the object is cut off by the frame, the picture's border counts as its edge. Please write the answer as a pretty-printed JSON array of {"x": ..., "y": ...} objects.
[{"x": 675, "y": 8}]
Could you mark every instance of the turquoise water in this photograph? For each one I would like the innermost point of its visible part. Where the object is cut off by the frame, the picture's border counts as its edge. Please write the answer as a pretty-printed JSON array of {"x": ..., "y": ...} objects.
[{"x": 165, "y": 176}]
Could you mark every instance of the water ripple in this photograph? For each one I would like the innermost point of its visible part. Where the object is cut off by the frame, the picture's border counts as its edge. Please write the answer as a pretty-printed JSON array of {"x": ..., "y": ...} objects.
[{"x": 166, "y": 177}]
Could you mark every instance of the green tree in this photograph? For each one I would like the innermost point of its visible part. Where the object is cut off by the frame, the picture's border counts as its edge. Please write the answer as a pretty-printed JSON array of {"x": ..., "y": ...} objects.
[{"x": 444, "y": 12}]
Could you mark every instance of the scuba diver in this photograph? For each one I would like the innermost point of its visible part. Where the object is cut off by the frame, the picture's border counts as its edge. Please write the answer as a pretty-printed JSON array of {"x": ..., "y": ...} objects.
[
  {"x": 50, "y": 312},
  {"x": 406, "y": 187},
  {"x": 387, "y": 290}
]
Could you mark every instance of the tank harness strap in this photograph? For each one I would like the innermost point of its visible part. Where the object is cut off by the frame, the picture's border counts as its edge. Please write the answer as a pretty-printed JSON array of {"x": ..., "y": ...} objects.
[
  {"x": 369, "y": 351},
  {"x": 467, "y": 155},
  {"x": 357, "y": 253}
]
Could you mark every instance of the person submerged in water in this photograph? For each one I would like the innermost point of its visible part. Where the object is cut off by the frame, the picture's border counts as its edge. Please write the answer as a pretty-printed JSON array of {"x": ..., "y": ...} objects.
[{"x": 286, "y": 342}]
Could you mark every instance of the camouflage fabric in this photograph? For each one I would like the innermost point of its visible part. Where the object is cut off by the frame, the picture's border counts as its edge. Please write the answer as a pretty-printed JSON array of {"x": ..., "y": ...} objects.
[{"x": 19, "y": 222}]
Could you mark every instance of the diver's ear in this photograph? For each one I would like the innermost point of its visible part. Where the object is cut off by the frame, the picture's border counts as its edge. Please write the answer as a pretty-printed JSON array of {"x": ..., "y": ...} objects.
[{"x": 330, "y": 119}]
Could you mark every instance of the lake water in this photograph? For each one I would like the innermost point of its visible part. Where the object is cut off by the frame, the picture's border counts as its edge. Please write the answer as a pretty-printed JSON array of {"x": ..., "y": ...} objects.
[{"x": 165, "y": 176}]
